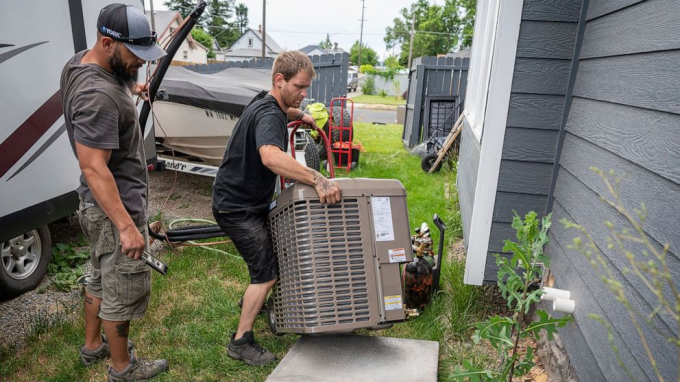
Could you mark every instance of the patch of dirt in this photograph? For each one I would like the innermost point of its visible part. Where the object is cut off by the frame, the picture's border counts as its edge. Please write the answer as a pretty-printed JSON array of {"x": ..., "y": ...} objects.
[{"x": 191, "y": 196}]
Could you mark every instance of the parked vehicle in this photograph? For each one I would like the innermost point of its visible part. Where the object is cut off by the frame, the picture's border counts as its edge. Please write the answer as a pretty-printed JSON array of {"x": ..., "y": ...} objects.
[
  {"x": 38, "y": 171},
  {"x": 352, "y": 81}
]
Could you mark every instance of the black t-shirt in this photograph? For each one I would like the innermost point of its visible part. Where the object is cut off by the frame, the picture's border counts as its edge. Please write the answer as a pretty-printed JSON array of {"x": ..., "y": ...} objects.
[{"x": 243, "y": 183}]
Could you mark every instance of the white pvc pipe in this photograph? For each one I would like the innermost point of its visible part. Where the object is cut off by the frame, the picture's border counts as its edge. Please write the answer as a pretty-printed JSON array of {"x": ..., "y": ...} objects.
[
  {"x": 549, "y": 294},
  {"x": 564, "y": 305}
]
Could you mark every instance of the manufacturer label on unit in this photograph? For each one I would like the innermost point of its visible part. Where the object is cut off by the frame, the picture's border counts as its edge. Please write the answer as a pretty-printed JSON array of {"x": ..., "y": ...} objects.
[
  {"x": 393, "y": 303},
  {"x": 382, "y": 218},
  {"x": 272, "y": 205},
  {"x": 397, "y": 255}
]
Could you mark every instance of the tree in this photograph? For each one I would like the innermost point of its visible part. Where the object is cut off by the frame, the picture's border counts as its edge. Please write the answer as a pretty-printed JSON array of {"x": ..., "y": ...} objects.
[
  {"x": 392, "y": 62},
  {"x": 216, "y": 20},
  {"x": 204, "y": 39},
  {"x": 241, "y": 18},
  {"x": 439, "y": 28},
  {"x": 470, "y": 7},
  {"x": 368, "y": 55},
  {"x": 327, "y": 43},
  {"x": 184, "y": 7}
]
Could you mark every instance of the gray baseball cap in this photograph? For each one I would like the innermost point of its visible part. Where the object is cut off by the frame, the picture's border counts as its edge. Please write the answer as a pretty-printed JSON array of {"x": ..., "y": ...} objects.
[{"x": 129, "y": 25}]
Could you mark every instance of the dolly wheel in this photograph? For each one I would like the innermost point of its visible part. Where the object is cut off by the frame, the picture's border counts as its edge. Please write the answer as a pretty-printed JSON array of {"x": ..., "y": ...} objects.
[
  {"x": 429, "y": 161},
  {"x": 271, "y": 317}
]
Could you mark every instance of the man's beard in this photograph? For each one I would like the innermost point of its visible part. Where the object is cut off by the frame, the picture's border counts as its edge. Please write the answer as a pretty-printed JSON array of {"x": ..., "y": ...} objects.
[
  {"x": 125, "y": 76},
  {"x": 290, "y": 100}
]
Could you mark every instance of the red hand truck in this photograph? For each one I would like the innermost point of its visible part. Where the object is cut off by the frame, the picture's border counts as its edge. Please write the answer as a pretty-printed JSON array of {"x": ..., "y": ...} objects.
[
  {"x": 344, "y": 149},
  {"x": 295, "y": 125}
]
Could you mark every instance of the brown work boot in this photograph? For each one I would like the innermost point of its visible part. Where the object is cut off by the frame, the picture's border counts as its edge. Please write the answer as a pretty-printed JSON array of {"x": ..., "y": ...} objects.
[
  {"x": 248, "y": 351},
  {"x": 88, "y": 357},
  {"x": 138, "y": 370}
]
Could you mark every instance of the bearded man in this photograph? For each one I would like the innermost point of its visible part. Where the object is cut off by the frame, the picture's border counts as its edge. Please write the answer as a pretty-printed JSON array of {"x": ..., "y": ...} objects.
[
  {"x": 97, "y": 86},
  {"x": 245, "y": 184}
]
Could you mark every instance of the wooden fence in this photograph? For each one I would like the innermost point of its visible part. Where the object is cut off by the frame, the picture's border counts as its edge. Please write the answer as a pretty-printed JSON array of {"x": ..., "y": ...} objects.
[
  {"x": 330, "y": 81},
  {"x": 431, "y": 76}
]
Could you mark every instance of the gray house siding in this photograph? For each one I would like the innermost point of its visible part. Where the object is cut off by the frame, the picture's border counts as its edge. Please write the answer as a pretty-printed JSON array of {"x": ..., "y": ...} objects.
[
  {"x": 624, "y": 116},
  {"x": 542, "y": 67}
]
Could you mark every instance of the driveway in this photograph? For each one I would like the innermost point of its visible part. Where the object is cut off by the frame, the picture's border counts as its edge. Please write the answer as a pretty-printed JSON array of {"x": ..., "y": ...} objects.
[{"x": 374, "y": 115}]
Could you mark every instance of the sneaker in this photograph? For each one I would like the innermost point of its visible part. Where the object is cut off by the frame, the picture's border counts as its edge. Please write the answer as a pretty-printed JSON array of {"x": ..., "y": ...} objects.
[
  {"x": 138, "y": 370},
  {"x": 248, "y": 351},
  {"x": 88, "y": 357}
]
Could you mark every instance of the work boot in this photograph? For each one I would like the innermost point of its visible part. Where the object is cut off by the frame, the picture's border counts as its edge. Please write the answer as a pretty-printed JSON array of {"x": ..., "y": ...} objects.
[
  {"x": 88, "y": 357},
  {"x": 138, "y": 370},
  {"x": 248, "y": 351}
]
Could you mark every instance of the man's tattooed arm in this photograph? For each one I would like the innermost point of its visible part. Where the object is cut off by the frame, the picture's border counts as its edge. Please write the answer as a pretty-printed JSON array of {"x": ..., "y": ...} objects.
[{"x": 328, "y": 190}]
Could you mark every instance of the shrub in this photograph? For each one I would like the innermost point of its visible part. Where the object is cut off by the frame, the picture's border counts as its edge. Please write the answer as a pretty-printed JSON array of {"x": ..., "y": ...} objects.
[
  {"x": 382, "y": 93},
  {"x": 368, "y": 86},
  {"x": 515, "y": 277},
  {"x": 367, "y": 68}
]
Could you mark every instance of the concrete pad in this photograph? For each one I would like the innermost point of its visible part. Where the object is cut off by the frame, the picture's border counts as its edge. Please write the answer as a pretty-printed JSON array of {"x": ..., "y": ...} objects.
[{"x": 341, "y": 358}]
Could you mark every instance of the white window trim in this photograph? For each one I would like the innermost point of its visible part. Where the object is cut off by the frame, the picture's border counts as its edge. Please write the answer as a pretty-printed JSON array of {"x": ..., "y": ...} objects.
[
  {"x": 480, "y": 68},
  {"x": 250, "y": 41},
  {"x": 496, "y": 95}
]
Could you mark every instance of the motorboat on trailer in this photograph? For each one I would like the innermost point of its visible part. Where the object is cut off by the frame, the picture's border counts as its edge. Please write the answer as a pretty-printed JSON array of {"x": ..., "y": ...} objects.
[{"x": 195, "y": 113}]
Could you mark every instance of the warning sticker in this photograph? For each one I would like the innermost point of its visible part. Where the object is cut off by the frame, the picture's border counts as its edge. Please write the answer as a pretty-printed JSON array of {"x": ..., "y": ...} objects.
[
  {"x": 393, "y": 303},
  {"x": 397, "y": 255},
  {"x": 382, "y": 219}
]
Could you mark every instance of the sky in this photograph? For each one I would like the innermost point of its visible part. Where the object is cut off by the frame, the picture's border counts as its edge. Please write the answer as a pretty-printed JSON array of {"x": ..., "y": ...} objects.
[{"x": 294, "y": 24}]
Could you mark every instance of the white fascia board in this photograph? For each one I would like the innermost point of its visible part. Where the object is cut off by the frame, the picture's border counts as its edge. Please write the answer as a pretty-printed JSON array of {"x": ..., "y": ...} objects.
[{"x": 496, "y": 115}]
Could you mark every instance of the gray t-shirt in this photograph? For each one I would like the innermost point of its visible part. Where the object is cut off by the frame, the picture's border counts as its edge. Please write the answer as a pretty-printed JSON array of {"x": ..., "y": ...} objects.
[{"x": 101, "y": 114}]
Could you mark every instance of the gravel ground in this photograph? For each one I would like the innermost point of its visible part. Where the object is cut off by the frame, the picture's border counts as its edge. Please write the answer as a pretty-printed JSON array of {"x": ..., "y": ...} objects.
[{"x": 21, "y": 316}]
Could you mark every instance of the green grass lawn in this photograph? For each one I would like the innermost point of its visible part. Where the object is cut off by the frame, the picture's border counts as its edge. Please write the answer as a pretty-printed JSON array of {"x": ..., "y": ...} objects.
[
  {"x": 376, "y": 99},
  {"x": 194, "y": 309}
]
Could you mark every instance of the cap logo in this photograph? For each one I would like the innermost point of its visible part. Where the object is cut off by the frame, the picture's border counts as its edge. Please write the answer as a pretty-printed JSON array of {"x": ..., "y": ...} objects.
[{"x": 111, "y": 32}]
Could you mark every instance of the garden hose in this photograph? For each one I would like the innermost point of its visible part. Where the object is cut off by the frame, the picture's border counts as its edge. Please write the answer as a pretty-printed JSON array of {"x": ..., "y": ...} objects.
[{"x": 192, "y": 243}]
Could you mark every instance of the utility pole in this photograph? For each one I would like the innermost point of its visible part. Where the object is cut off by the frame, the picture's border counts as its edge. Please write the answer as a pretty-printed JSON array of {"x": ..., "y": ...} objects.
[
  {"x": 361, "y": 36},
  {"x": 153, "y": 17},
  {"x": 410, "y": 45},
  {"x": 264, "y": 28}
]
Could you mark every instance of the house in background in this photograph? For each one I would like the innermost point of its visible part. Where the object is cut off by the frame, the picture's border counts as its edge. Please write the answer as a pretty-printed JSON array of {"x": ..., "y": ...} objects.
[
  {"x": 249, "y": 46},
  {"x": 191, "y": 50},
  {"x": 219, "y": 52},
  {"x": 315, "y": 50},
  {"x": 555, "y": 87},
  {"x": 312, "y": 50}
]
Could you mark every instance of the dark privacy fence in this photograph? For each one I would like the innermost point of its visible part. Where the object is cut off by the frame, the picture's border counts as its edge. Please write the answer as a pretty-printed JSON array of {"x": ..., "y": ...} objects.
[
  {"x": 330, "y": 81},
  {"x": 432, "y": 78}
]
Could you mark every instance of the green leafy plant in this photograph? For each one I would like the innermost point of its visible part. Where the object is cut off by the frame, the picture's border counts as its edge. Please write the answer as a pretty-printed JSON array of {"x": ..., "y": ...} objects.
[
  {"x": 516, "y": 276},
  {"x": 396, "y": 86},
  {"x": 382, "y": 93},
  {"x": 368, "y": 86},
  {"x": 367, "y": 68},
  {"x": 645, "y": 261},
  {"x": 66, "y": 266}
]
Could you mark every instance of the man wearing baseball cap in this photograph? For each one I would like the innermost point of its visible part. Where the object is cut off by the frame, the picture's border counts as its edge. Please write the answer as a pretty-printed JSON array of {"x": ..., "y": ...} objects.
[{"x": 97, "y": 86}]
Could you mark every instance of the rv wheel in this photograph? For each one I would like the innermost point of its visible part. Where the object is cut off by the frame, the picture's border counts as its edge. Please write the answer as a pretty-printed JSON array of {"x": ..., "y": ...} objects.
[{"x": 24, "y": 261}]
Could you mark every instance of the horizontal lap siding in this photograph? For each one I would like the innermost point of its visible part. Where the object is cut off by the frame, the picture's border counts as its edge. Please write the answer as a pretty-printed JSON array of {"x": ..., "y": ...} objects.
[
  {"x": 542, "y": 67},
  {"x": 625, "y": 117}
]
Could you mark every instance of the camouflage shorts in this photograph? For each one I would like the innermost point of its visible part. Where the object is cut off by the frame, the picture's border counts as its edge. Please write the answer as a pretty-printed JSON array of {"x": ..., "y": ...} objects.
[{"x": 123, "y": 284}]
